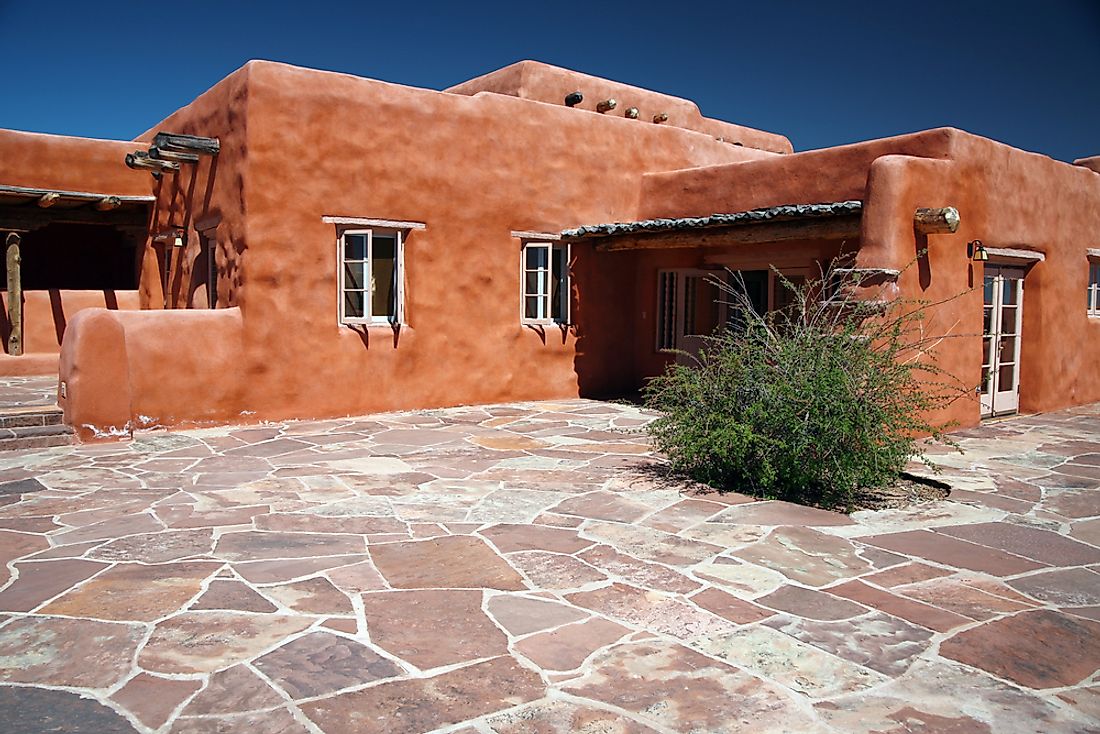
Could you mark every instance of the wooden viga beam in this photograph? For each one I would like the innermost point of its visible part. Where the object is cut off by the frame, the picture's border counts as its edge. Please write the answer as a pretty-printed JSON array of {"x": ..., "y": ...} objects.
[
  {"x": 174, "y": 143},
  {"x": 141, "y": 160},
  {"x": 939, "y": 220}
]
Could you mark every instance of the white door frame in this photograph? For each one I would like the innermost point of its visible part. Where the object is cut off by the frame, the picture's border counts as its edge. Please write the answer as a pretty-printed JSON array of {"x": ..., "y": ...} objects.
[{"x": 1002, "y": 326}]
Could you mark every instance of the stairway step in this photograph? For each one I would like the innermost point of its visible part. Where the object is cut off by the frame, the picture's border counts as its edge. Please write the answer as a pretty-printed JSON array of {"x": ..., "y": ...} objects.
[
  {"x": 37, "y": 415},
  {"x": 35, "y": 437}
]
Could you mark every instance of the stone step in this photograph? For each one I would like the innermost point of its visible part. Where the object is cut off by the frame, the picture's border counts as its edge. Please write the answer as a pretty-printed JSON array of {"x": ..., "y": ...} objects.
[
  {"x": 35, "y": 437},
  {"x": 31, "y": 415}
]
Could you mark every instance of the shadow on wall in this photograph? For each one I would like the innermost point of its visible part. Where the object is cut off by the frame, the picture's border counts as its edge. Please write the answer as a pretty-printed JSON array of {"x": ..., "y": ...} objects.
[
  {"x": 47, "y": 313},
  {"x": 605, "y": 310}
]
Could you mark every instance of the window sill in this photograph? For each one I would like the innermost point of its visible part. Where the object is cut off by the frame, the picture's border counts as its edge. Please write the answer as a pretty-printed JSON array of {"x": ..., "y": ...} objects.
[
  {"x": 390, "y": 325},
  {"x": 531, "y": 322}
]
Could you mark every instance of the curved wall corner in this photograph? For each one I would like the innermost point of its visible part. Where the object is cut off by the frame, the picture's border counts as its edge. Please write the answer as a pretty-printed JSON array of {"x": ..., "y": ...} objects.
[{"x": 94, "y": 376}]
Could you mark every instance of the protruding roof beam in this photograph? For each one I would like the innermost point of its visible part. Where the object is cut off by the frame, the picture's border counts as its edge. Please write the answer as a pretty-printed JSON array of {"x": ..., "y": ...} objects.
[
  {"x": 186, "y": 144},
  {"x": 170, "y": 155},
  {"x": 49, "y": 199},
  {"x": 141, "y": 160},
  {"x": 941, "y": 220}
]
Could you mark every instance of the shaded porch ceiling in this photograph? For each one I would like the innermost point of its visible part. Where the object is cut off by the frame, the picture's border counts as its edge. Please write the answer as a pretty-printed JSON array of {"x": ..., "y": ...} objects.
[
  {"x": 24, "y": 209},
  {"x": 838, "y": 220}
]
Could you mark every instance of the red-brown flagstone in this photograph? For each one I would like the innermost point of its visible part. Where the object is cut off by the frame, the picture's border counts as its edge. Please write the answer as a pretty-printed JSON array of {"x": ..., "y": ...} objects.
[
  {"x": 565, "y": 648},
  {"x": 949, "y": 551},
  {"x": 232, "y": 595},
  {"x": 728, "y": 606},
  {"x": 135, "y": 592},
  {"x": 909, "y": 573},
  {"x": 451, "y": 562},
  {"x": 426, "y": 704},
  {"x": 42, "y": 580},
  {"x": 913, "y": 611},
  {"x": 1037, "y": 649},
  {"x": 643, "y": 573},
  {"x": 683, "y": 690},
  {"x": 321, "y": 663},
  {"x": 199, "y": 642},
  {"x": 776, "y": 512},
  {"x": 962, "y": 598},
  {"x": 152, "y": 699},
  {"x": 250, "y": 545},
  {"x": 433, "y": 627},
  {"x": 810, "y": 604},
  {"x": 157, "y": 547},
  {"x": 232, "y": 691},
  {"x": 602, "y": 505},
  {"x": 1039, "y": 545},
  {"x": 1072, "y": 587},
  {"x": 683, "y": 514},
  {"x": 555, "y": 571},
  {"x": 562, "y": 717},
  {"x": 513, "y": 537},
  {"x": 270, "y": 572},
  {"x": 67, "y": 652},
  {"x": 521, "y": 615},
  {"x": 311, "y": 596}
]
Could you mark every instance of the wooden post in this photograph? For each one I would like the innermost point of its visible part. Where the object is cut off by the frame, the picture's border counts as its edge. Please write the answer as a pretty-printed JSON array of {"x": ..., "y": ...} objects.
[{"x": 15, "y": 296}]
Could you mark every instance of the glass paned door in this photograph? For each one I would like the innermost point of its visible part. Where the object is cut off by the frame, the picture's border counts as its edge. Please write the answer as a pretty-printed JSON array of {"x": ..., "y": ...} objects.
[
  {"x": 1002, "y": 318},
  {"x": 700, "y": 305}
]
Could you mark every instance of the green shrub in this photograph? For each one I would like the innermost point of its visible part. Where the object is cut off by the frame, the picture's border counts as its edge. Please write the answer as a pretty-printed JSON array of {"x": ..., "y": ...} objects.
[{"x": 814, "y": 404}]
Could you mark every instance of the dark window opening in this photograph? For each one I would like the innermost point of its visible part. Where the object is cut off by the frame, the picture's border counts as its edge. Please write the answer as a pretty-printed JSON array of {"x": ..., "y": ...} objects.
[{"x": 77, "y": 257}]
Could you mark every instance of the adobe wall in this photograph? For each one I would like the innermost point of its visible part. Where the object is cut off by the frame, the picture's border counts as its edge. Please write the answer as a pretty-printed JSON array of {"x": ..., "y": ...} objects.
[
  {"x": 1006, "y": 197},
  {"x": 38, "y": 160},
  {"x": 300, "y": 144},
  {"x": 550, "y": 84},
  {"x": 47, "y": 313}
]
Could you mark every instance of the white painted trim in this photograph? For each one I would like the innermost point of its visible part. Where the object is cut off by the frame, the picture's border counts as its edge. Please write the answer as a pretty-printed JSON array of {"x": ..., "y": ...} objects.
[
  {"x": 381, "y": 223},
  {"x": 1093, "y": 252},
  {"x": 1008, "y": 253},
  {"x": 525, "y": 235}
]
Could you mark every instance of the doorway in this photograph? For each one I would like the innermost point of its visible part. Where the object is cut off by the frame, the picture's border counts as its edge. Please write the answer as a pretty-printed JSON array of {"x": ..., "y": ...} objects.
[{"x": 1002, "y": 319}]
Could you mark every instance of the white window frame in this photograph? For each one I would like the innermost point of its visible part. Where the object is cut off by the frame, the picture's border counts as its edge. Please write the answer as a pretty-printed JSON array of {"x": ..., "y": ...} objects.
[
  {"x": 368, "y": 318},
  {"x": 555, "y": 248},
  {"x": 1092, "y": 287}
]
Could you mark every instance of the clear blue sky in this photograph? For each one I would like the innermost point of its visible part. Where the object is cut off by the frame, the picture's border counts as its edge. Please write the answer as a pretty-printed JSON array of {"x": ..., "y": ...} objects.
[{"x": 823, "y": 73}]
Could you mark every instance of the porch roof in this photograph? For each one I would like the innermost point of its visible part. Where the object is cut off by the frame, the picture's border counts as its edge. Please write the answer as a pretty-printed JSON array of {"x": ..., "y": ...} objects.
[
  {"x": 832, "y": 220},
  {"x": 25, "y": 208}
]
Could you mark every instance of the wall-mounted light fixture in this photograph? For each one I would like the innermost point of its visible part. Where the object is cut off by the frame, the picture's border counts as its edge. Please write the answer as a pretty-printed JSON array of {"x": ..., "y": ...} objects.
[
  {"x": 976, "y": 251},
  {"x": 607, "y": 105},
  {"x": 660, "y": 117},
  {"x": 631, "y": 112},
  {"x": 573, "y": 99}
]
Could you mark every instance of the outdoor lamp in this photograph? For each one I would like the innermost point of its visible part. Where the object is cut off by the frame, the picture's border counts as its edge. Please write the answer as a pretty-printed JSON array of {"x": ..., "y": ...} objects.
[{"x": 976, "y": 251}]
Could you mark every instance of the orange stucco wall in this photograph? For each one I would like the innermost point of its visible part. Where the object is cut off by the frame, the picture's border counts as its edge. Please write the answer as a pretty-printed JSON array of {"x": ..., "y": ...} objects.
[
  {"x": 500, "y": 154},
  {"x": 1006, "y": 197},
  {"x": 46, "y": 314}
]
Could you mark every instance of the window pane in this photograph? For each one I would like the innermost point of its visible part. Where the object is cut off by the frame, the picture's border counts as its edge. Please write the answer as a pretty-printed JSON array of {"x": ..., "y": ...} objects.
[
  {"x": 558, "y": 284},
  {"x": 531, "y": 307},
  {"x": 985, "y": 350},
  {"x": 537, "y": 257},
  {"x": 354, "y": 276},
  {"x": 985, "y": 379},
  {"x": 355, "y": 247},
  {"x": 988, "y": 293},
  {"x": 1006, "y": 379},
  {"x": 987, "y": 321},
  {"x": 1008, "y": 320},
  {"x": 1008, "y": 349},
  {"x": 353, "y": 304},
  {"x": 1008, "y": 290},
  {"x": 534, "y": 283},
  {"x": 383, "y": 276}
]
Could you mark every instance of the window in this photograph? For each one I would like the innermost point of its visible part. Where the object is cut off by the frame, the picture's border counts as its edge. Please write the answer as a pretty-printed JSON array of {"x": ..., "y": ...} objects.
[
  {"x": 1093, "y": 291},
  {"x": 371, "y": 289},
  {"x": 545, "y": 275}
]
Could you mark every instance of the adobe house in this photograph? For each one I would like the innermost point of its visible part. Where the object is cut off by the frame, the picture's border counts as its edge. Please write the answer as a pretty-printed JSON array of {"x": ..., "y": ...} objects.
[{"x": 302, "y": 244}]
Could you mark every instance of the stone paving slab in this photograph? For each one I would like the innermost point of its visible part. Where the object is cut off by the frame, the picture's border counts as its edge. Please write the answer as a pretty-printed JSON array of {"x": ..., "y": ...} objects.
[{"x": 524, "y": 568}]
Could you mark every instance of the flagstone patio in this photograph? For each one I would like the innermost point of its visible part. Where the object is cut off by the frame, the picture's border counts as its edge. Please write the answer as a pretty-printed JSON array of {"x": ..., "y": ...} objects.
[{"x": 520, "y": 568}]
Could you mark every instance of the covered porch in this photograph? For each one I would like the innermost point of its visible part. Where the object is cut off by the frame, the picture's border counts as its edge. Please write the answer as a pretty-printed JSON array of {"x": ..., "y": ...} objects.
[{"x": 65, "y": 251}]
